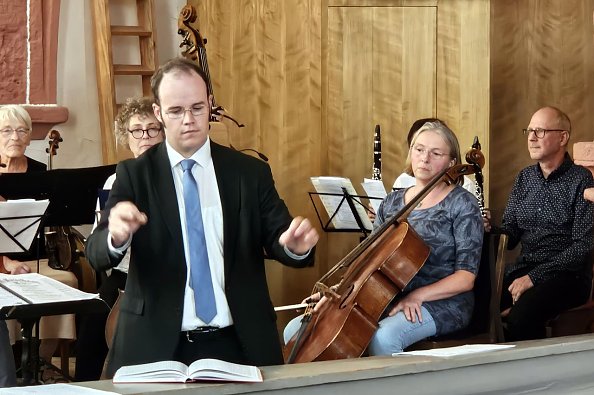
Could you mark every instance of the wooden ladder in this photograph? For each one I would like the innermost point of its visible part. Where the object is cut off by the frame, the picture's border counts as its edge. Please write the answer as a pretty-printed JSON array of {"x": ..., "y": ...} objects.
[{"x": 107, "y": 70}]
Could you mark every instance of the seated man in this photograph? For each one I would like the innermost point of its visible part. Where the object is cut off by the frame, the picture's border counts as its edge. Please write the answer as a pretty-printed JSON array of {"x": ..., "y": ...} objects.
[{"x": 548, "y": 215}]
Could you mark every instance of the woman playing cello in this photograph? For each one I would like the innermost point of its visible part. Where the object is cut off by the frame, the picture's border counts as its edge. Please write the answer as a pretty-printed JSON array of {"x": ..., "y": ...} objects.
[{"x": 439, "y": 299}]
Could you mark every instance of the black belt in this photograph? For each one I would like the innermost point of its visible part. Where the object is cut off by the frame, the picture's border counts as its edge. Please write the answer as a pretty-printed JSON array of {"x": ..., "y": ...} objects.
[{"x": 206, "y": 333}]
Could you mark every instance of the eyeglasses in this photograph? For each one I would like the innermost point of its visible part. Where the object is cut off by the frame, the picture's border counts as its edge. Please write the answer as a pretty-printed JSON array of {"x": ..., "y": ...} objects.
[
  {"x": 434, "y": 155},
  {"x": 21, "y": 132},
  {"x": 539, "y": 132},
  {"x": 179, "y": 112},
  {"x": 139, "y": 133}
]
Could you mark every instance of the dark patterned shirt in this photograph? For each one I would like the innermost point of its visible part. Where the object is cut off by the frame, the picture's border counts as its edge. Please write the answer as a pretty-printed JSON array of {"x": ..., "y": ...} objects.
[
  {"x": 453, "y": 229},
  {"x": 552, "y": 220}
]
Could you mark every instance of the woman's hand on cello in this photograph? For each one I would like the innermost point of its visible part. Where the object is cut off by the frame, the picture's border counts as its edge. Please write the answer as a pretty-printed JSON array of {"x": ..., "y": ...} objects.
[
  {"x": 315, "y": 300},
  {"x": 410, "y": 307}
]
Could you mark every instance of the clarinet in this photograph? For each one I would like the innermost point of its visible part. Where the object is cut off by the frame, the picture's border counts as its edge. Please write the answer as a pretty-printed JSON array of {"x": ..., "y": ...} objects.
[
  {"x": 377, "y": 155},
  {"x": 478, "y": 181}
]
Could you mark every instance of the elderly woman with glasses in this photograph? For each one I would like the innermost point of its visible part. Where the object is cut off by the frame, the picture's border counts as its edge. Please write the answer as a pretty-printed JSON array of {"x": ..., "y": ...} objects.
[
  {"x": 15, "y": 137},
  {"x": 138, "y": 129}
]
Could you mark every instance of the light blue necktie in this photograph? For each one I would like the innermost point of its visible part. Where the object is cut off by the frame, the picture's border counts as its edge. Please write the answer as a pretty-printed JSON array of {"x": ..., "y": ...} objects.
[{"x": 200, "y": 280}]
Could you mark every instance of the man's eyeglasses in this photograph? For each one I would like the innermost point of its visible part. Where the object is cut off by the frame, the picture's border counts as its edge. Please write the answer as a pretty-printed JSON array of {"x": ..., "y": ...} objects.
[
  {"x": 179, "y": 112},
  {"x": 139, "y": 133},
  {"x": 21, "y": 132},
  {"x": 539, "y": 132}
]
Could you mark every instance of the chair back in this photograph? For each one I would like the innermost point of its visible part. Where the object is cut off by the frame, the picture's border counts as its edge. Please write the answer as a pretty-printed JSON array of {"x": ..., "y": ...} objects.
[{"x": 487, "y": 288}]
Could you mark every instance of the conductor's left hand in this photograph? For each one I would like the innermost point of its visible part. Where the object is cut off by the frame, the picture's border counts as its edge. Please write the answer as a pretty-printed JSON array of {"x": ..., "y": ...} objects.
[{"x": 300, "y": 237}]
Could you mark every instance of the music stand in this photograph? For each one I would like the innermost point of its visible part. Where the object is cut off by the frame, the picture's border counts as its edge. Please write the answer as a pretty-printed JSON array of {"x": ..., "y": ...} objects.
[
  {"x": 72, "y": 192},
  {"x": 72, "y": 195},
  {"x": 350, "y": 207},
  {"x": 28, "y": 316},
  {"x": 18, "y": 230}
]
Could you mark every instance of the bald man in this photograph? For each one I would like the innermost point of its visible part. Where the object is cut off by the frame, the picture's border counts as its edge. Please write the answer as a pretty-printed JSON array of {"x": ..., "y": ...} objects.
[{"x": 548, "y": 215}]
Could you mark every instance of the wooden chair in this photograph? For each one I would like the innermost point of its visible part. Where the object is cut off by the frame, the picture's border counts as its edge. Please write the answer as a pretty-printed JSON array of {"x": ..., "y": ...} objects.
[
  {"x": 485, "y": 325},
  {"x": 576, "y": 321}
]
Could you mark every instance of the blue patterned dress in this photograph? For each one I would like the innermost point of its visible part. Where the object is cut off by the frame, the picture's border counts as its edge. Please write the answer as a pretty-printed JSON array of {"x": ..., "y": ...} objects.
[{"x": 453, "y": 229}]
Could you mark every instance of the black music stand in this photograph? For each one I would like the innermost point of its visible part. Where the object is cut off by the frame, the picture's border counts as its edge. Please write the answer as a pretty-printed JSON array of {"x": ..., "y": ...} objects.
[
  {"x": 28, "y": 315},
  {"x": 351, "y": 201},
  {"x": 72, "y": 194},
  {"x": 14, "y": 240}
]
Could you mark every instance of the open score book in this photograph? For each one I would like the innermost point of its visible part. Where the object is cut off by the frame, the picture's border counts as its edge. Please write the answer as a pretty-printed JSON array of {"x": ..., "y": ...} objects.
[{"x": 178, "y": 372}]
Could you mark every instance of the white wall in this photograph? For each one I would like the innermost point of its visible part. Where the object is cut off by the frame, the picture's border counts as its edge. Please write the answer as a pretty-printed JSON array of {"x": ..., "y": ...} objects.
[{"x": 77, "y": 85}]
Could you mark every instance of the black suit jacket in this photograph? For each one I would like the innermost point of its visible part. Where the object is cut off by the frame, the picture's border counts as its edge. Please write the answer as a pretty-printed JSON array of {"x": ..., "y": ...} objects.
[{"x": 151, "y": 312}]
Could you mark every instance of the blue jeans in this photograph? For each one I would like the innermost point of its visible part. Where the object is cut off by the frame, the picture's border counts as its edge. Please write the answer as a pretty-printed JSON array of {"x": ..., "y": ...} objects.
[
  {"x": 396, "y": 333},
  {"x": 292, "y": 328},
  {"x": 393, "y": 335}
]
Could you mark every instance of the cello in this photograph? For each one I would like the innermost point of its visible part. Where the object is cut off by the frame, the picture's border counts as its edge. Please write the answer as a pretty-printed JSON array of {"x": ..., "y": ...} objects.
[{"x": 377, "y": 270}]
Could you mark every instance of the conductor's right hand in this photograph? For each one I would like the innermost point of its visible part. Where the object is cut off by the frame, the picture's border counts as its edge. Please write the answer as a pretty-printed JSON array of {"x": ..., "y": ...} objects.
[{"x": 124, "y": 221}]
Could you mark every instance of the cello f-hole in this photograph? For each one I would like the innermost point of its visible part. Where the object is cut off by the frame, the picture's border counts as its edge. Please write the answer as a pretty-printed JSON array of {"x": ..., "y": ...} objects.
[{"x": 347, "y": 293}]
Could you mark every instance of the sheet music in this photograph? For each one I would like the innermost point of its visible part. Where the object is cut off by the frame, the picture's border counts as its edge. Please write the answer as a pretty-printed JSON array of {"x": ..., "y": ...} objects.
[
  {"x": 19, "y": 227},
  {"x": 458, "y": 350},
  {"x": 344, "y": 219},
  {"x": 376, "y": 189},
  {"x": 7, "y": 298},
  {"x": 58, "y": 389},
  {"x": 37, "y": 288}
]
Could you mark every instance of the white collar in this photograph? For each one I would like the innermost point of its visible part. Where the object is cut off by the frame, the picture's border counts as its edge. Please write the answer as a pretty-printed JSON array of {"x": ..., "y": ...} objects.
[{"x": 202, "y": 156}]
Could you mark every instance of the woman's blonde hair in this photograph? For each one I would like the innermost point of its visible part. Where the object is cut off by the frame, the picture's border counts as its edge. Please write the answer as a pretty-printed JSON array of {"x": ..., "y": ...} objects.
[
  {"x": 16, "y": 113},
  {"x": 448, "y": 136}
]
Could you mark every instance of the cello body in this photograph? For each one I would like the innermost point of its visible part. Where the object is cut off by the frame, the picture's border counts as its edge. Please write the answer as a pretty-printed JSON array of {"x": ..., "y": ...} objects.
[{"x": 343, "y": 327}]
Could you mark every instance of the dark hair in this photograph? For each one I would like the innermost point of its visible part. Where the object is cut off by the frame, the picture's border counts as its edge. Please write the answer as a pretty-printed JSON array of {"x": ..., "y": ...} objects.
[
  {"x": 417, "y": 125},
  {"x": 175, "y": 64}
]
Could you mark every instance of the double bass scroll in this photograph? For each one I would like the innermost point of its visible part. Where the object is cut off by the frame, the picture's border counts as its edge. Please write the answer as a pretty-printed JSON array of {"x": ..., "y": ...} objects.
[{"x": 195, "y": 50}]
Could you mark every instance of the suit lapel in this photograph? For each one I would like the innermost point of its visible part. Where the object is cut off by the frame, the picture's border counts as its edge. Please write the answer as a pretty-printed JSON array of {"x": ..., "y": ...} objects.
[
  {"x": 228, "y": 180},
  {"x": 164, "y": 190}
]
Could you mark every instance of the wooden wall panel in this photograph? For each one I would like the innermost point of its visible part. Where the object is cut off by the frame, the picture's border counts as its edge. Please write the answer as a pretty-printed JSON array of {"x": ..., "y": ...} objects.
[
  {"x": 542, "y": 54},
  {"x": 372, "y": 81},
  {"x": 463, "y": 72}
]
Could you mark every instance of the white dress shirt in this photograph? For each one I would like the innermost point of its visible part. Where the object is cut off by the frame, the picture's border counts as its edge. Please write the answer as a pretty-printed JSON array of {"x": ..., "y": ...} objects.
[{"x": 212, "y": 217}]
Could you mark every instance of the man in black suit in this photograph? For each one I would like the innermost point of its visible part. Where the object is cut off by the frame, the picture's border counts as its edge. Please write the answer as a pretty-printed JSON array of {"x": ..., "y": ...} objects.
[{"x": 243, "y": 218}]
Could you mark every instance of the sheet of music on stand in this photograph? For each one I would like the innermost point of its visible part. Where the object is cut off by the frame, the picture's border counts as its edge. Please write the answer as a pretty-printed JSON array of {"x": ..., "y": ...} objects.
[
  {"x": 21, "y": 219},
  {"x": 374, "y": 189},
  {"x": 344, "y": 218},
  {"x": 35, "y": 288}
]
